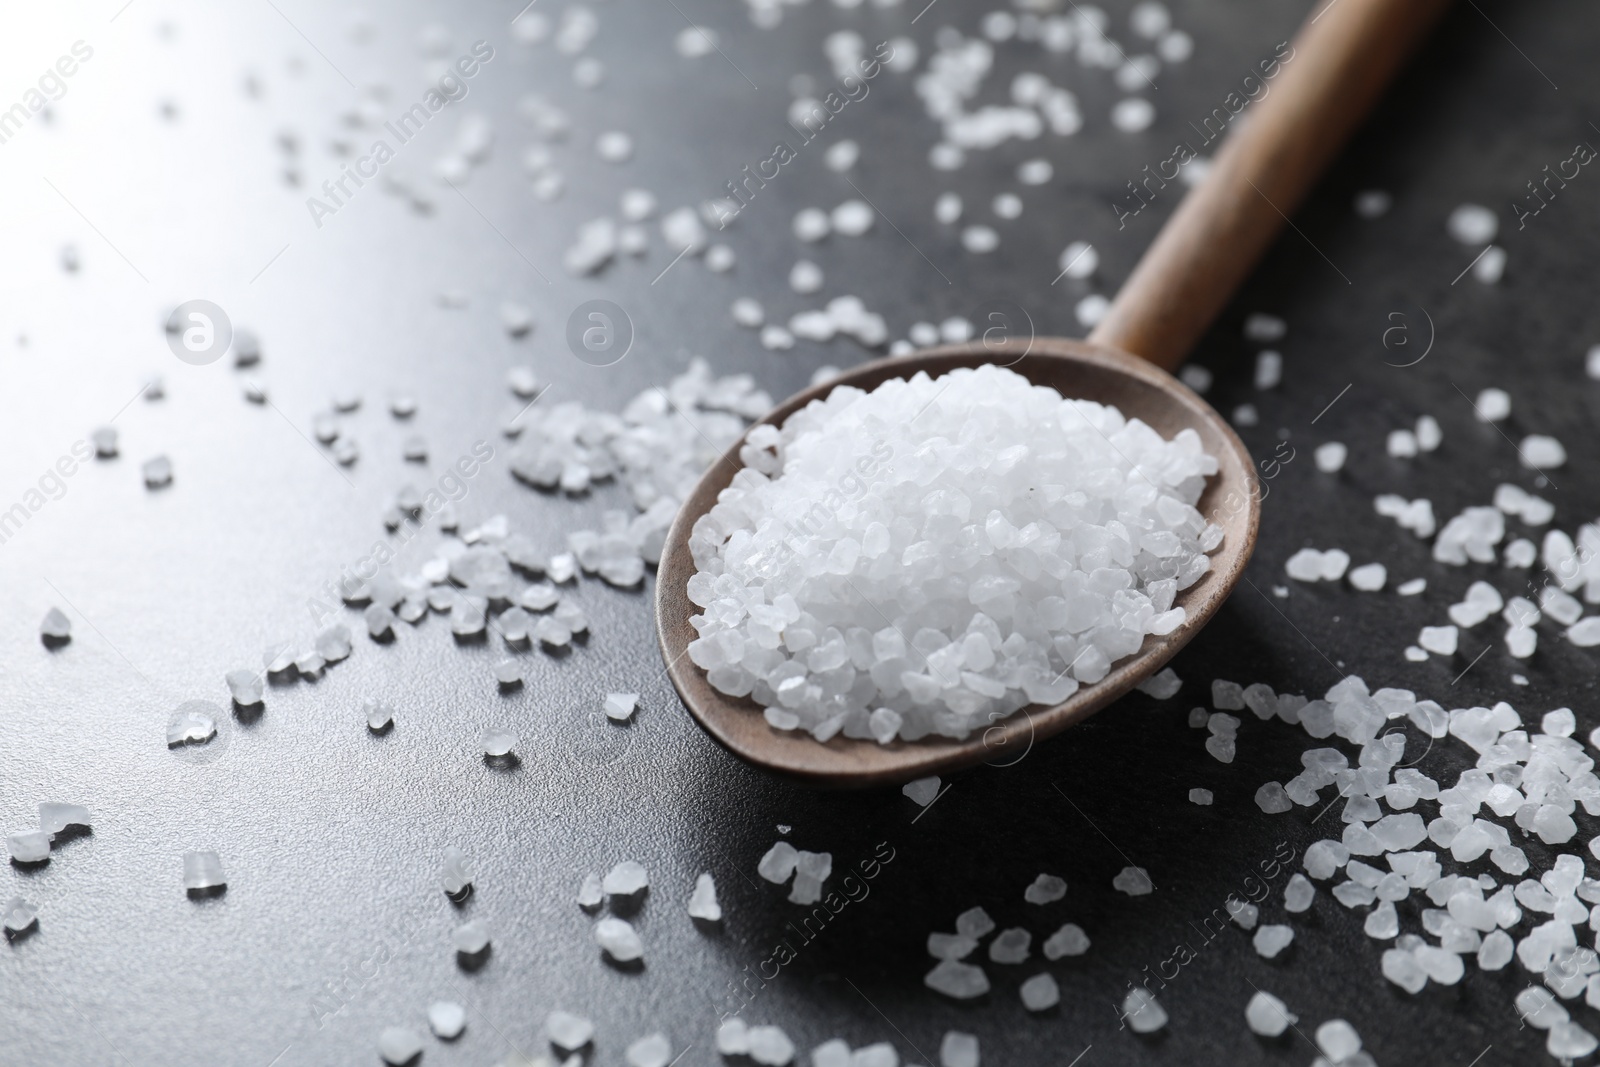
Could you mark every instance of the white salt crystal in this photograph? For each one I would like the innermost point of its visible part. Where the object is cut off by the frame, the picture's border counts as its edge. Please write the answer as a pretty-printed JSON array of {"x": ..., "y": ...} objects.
[
  {"x": 380, "y": 716},
  {"x": 778, "y": 863},
  {"x": 1070, "y": 940},
  {"x": 568, "y": 1032},
  {"x": 1162, "y": 686},
  {"x": 380, "y": 620},
  {"x": 980, "y": 240},
  {"x": 626, "y": 879},
  {"x": 56, "y": 626},
  {"x": 157, "y": 472},
  {"x": 446, "y": 1019},
  {"x": 1496, "y": 951},
  {"x": 733, "y": 1037},
  {"x": 55, "y": 817},
  {"x": 958, "y": 1049},
  {"x": 947, "y": 209},
  {"x": 1492, "y": 405},
  {"x": 455, "y": 875},
  {"x": 1133, "y": 114},
  {"x": 1541, "y": 452},
  {"x": 619, "y": 940},
  {"x": 471, "y": 938},
  {"x": 922, "y": 791},
  {"x": 1010, "y": 946},
  {"x": 1271, "y": 799},
  {"x": 104, "y": 439},
  {"x": 1141, "y": 1011},
  {"x": 652, "y": 1051},
  {"x": 1196, "y": 377},
  {"x": 619, "y": 706},
  {"x": 1007, "y": 206},
  {"x": 614, "y": 146},
  {"x": 957, "y": 980},
  {"x": 841, "y": 155},
  {"x": 1382, "y": 923},
  {"x": 1272, "y": 939},
  {"x": 1472, "y": 224},
  {"x": 811, "y": 224},
  {"x": 703, "y": 904},
  {"x": 1369, "y": 577},
  {"x": 17, "y": 916},
  {"x": 29, "y": 846},
  {"x": 1440, "y": 640},
  {"x": 398, "y": 1045},
  {"x": 1412, "y": 587},
  {"x": 1134, "y": 881},
  {"x": 1079, "y": 260},
  {"x": 1245, "y": 415},
  {"x": 1402, "y": 444},
  {"x": 748, "y": 313},
  {"x": 498, "y": 743},
  {"x": 852, "y": 218},
  {"x": 1200, "y": 796},
  {"x": 1401, "y": 968},
  {"x": 1568, "y": 1041},
  {"x": 190, "y": 728},
  {"x": 1298, "y": 895},
  {"x": 1373, "y": 203},
  {"x": 1045, "y": 889},
  {"x": 1040, "y": 993},
  {"x": 1263, "y": 328},
  {"x": 1267, "y": 1015},
  {"x": 1269, "y": 369},
  {"x": 202, "y": 870},
  {"x": 1338, "y": 1040},
  {"x": 1090, "y": 310}
]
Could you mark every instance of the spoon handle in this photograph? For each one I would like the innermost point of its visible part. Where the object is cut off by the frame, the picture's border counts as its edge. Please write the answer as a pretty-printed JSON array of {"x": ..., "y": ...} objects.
[{"x": 1306, "y": 107}]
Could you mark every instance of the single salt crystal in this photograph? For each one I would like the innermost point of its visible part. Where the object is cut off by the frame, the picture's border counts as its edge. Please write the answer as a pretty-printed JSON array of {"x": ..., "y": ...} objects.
[
  {"x": 1568, "y": 1041},
  {"x": 1045, "y": 889},
  {"x": 1338, "y": 1040},
  {"x": 1267, "y": 1015},
  {"x": 1269, "y": 369},
  {"x": 1472, "y": 224},
  {"x": 1162, "y": 686},
  {"x": 1079, "y": 260},
  {"x": 770, "y": 1046},
  {"x": 852, "y": 218},
  {"x": 1402, "y": 444},
  {"x": 202, "y": 870},
  {"x": 567, "y": 1031},
  {"x": 1492, "y": 405},
  {"x": 1227, "y": 696},
  {"x": 56, "y": 627},
  {"x": 157, "y": 472},
  {"x": 778, "y": 863},
  {"x": 619, "y": 706},
  {"x": 29, "y": 846},
  {"x": 1035, "y": 171},
  {"x": 805, "y": 277},
  {"x": 811, "y": 224},
  {"x": 980, "y": 240},
  {"x": 1070, "y": 940},
  {"x": 471, "y": 938},
  {"x": 1244, "y": 915},
  {"x": 1246, "y": 415},
  {"x": 17, "y": 916},
  {"x": 1272, "y": 939},
  {"x": 508, "y": 672},
  {"x": 614, "y": 146},
  {"x": 748, "y": 312},
  {"x": 190, "y": 728},
  {"x": 380, "y": 716},
  {"x": 1324, "y": 858},
  {"x": 1272, "y": 799},
  {"x": 1401, "y": 968},
  {"x": 1141, "y": 1011},
  {"x": 246, "y": 687},
  {"x": 398, "y": 1045},
  {"x": 1541, "y": 452},
  {"x": 626, "y": 879},
  {"x": 947, "y": 209},
  {"x": 104, "y": 439},
  {"x": 1369, "y": 577},
  {"x": 1090, "y": 310},
  {"x": 55, "y": 817},
  {"x": 703, "y": 903},
  {"x": 498, "y": 743},
  {"x": 619, "y": 940},
  {"x": 720, "y": 259},
  {"x": 1133, "y": 114},
  {"x": 1040, "y": 993},
  {"x": 811, "y": 870},
  {"x": 950, "y": 946},
  {"x": 1440, "y": 640},
  {"x": 1010, "y": 945},
  {"x": 652, "y": 1051},
  {"x": 456, "y": 873},
  {"x": 957, "y": 980},
  {"x": 1330, "y": 457},
  {"x": 958, "y": 1049},
  {"x": 1262, "y": 328},
  {"x": 1382, "y": 923},
  {"x": 841, "y": 156},
  {"x": 380, "y": 620},
  {"x": 1134, "y": 881},
  {"x": 1299, "y": 893},
  {"x": 733, "y": 1037},
  {"x": 922, "y": 791},
  {"x": 1200, "y": 796},
  {"x": 1412, "y": 587},
  {"x": 1373, "y": 203},
  {"x": 590, "y": 894},
  {"x": 1196, "y": 377},
  {"x": 1007, "y": 206},
  {"x": 974, "y": 922},
  {"x": 446, "y": 1019}
]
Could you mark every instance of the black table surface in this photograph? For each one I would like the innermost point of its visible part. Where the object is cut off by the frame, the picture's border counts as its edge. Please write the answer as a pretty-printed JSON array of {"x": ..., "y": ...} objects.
[{"x": 167, "y": 175}]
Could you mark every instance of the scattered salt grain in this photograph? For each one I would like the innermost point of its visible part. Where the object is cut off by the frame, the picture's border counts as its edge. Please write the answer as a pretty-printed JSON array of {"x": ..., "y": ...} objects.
[
  {"x": 1269, "y": 370},
  {"x": 619, "y": 706},
  {"x": 455, "y": 875},
  {"x": 18, "y": 916},
  {"x": 104, "y": 440},
  {"x": 778, "y": 863},
  {"x": 805, "y": 277},
  {"x": 1040, "y": 993},
  {"x": 957, "y": 980},
  {"x": 202, "y": 870},
  {"x": 1472, "y": 224},
  {"x": 619, "y": 940},
  {"x": 1143, "y": 1014},
  {"x": 380, "y": 716},
  {"x": 1338, "y": 1040},
  {"x": 1133, "y": 114},
  {"x": 958, "y": 1049},
  {"x": 626, "y": 879},
  {"x": 1272, "y": 939},
  {"x": 980, "y": 240},
  {"x": 1070, "y": 940},
  {"x": 1369, "y": 577},
  {"x": 703, "y": 903},
  {"x": 157, "y": 472},
  {"x": 1163, "y": 685},
  {"x": 1045, "y": 889},
  {"x": 1267, "y": 1015},
  {"x": 1134, "y": 881},
  {"x": 1373, "y": 203},
  {"x": 1492, "y": 405},
  {"x": 841, "y": 156},
  {"x": 652, "y": 1051},
  {"x": 498, "y": 743},
  {"x": 852, "y": 218},
  {"x": 446, "y": 1019},
  {"x": 1412, "y": 587},
  {"x": 922, "y": 791},
  {"x": 29, "y": 846},
  {"x": 947, "y": 209},
  {"x": 733, "y": 1037},
  {"x": 1200, "y": 796},
  {"x": 568, "y": 1032},
  {"x": 471, "y": 938},
  {"x": 398, "y": 1045},
  {"x": 974, "y": 922},
  {"x": 55, "y": 627},
  {"x": 1079, "y": 260},
  {"x": 1299, "y": 894},
  {"x": 246, "y": 687},
  {"x": 1440, "y": 640},
  {"x": 1541, "y": 452},
  {"x": 770, "y": 1046}
]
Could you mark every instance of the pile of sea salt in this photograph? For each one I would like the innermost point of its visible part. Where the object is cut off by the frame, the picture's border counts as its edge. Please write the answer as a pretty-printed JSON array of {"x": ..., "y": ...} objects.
[{"x": 938, "y": 553}]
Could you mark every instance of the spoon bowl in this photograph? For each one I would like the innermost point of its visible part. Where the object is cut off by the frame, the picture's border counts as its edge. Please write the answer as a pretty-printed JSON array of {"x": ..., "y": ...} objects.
[{"x": 1076, "y": 369}]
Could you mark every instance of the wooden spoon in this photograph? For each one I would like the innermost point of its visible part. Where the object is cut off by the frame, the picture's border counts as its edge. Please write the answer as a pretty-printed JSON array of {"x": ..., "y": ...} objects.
[{"x": 1342, "y": 58}]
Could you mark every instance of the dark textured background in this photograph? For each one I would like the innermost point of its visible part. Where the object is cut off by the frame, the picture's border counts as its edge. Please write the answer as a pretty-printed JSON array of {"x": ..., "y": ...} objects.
[{"x": 332, "y": 839}]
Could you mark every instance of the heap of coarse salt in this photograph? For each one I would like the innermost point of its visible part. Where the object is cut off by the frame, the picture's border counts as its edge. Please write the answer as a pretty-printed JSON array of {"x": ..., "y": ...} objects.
[{"x": 935, "y": 554}]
